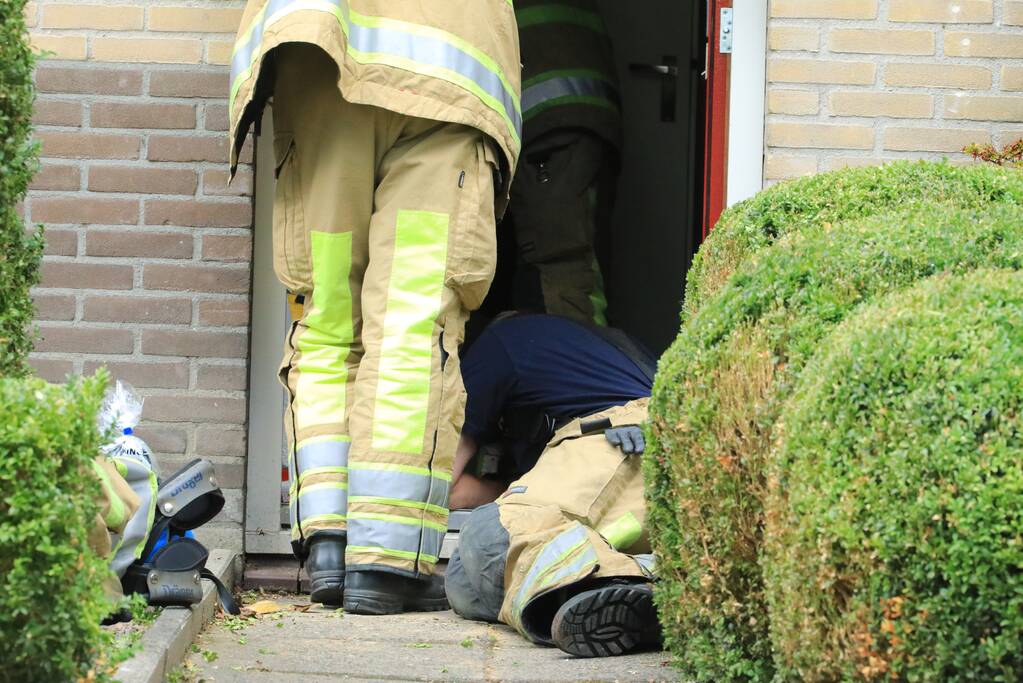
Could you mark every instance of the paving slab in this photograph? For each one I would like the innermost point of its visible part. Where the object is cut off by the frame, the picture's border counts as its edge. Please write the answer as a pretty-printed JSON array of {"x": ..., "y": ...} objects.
[{"x": 314, "y": 643}]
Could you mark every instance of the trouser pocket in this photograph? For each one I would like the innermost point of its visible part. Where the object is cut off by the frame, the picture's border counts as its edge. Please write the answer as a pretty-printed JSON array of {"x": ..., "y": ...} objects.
[
  {"x": 473, "y": 241},
  {"x": 292, "y": 258}
]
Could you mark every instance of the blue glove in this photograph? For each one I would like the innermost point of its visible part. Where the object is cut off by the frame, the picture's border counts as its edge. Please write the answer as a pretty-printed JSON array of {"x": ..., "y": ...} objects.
[{"x": 629, "y": 438}]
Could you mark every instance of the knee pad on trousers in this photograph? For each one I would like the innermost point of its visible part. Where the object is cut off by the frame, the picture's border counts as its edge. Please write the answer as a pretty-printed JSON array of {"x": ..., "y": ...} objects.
[{"x": 475, "y": 575}]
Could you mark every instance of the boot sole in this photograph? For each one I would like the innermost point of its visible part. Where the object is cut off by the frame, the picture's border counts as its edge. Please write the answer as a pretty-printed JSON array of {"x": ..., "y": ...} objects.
[
  {"x": 607, "y": 622},
  {"x": 328, "y": 589},
  {"x": 359, "y": 602}
]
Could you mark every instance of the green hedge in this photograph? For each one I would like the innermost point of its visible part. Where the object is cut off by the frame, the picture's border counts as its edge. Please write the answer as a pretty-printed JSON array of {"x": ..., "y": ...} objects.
[
  {"x": 721, "y": 386},
  {"x": 832, "y": 197},
  {"x": 19, "y": 252},
  {"x": 51, "y": 598},
  {"x": 894, "y": 543}
]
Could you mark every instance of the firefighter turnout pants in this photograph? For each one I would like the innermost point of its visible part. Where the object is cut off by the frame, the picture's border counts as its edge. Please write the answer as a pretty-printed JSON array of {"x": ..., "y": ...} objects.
[
  {"x": 561, "y": 204},
  {"x": 577, "y": 516},
  {"x": 384, "y": 223},
  {"x": 117, "y": 504}
]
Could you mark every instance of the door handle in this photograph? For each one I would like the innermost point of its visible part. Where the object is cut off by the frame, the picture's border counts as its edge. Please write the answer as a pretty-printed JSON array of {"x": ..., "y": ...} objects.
[{"x": 667, "y": 72}]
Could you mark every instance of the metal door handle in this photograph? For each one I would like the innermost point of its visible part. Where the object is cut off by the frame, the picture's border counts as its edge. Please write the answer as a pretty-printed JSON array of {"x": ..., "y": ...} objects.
[
  {"x": 655, "y": 69},
  {"x": 667, "y": 71}
]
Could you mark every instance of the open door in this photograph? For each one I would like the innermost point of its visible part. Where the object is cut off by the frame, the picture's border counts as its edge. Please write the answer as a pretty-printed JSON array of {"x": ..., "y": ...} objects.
[{"x": 720, "y": 30}]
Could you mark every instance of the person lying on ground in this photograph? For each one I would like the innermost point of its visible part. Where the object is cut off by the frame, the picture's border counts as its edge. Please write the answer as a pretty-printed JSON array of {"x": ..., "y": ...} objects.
[{"x": 562, "y": 556}]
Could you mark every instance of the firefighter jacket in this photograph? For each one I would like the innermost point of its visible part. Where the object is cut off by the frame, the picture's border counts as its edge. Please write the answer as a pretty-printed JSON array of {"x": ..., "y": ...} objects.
[{"x": 450, "y": 60}]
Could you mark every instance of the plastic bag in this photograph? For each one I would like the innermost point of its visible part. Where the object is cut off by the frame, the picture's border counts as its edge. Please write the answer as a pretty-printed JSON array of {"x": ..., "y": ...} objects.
[{"x": 121, "y": 412}]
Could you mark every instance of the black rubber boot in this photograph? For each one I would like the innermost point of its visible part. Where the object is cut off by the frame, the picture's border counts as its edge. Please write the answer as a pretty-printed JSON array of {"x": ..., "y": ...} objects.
[
  {"x": 608, "y": 621},
  {"x": 373, "y": 592},
  {"x": 326, "y": 567}
]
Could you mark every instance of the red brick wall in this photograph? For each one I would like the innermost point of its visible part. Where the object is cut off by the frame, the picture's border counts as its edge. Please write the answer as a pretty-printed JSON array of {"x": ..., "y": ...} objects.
[{"x": 147, "y": 266}]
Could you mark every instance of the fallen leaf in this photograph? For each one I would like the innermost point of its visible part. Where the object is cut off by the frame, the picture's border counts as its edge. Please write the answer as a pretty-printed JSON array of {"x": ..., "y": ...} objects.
[{"x": 265, "y": 607}]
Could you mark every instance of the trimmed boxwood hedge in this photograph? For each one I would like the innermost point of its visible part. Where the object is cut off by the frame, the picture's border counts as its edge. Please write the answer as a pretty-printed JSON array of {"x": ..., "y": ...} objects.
[
  {"x": 51, "y": 596},
  {"x": 831, "y": 197},
  {"x": 894, "y": 538},
  {"x": 19, "y": 252},
  {"x": 721, "y": 386}
]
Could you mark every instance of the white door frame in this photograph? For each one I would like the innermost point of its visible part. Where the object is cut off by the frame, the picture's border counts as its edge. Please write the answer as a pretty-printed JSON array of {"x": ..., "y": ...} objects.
[{"x": 746, "y": 103}]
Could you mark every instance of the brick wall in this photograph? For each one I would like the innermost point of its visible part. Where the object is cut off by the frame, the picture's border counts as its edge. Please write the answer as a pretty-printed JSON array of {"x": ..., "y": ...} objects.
[
  {"x": 856, "y": 82},
  {"x": 147, "y": 261}
]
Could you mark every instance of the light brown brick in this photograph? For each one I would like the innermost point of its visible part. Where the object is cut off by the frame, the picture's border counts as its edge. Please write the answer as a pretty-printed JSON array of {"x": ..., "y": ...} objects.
[
  {"x": 142, "y": 115},
  {"x": 79, "y": 145},
  {"x": 1012, "y": 78},
  {"x": 191, "y": 408},
  {"x": 931, "y": 139},
  {"x": 222, "y": 377},
  {"x": 188, "y": 148},
  {"x": 840, "y": 162},
  {"x": 216, "y": 117},
  {"x": 54, "y": 306},
  {"x": 110, "y": 308},
  {"x": 1003, "y": 138},
  {"x": 82, "y": 339},
  {"x": 71, "y": 275},
  {"x": 195, "y": 343},
  {"x": 147, "y": 180},
  {"x": 805, "y": 38},
  {"x": 138, "y": 244},
  {"x": 941, "y": 11},
  {"x": 59, "y": 47},
  {"x": 31, "y": 14},
  {"x": 222, "y": 441},
  {"x": 777, "y": 167},
  {"x": 160, "y": 50},
  {"x": 170, "y": 440},
  {"x": 200, "y": 19},
  {"x": 1013, "y": 13},
  {"x": 979, "y": 108},
  {"x": 219, "y": 52},
  {"x": 197, "y": 213},
  {"x": 100, "y": 17},
  {"x": 895, "y": 105},
  {"x": 937, "y": 76},
  {"x": 824, "y": 9},
  {"x": 57, "y": 177},
  {"x": 52, "y": 370},
  {"x": 820, "y": 71},
  {"x": 215, "y": 183},
  {"x": 145, "y": 376},
  {"x": 224, "y": 312},
  {"x": 967, "y": 44},
  {"x": 228, "y": 248},
  {"x": 57, "y": 113},
  {"x": 61, "y": 242},
  {"x": 881, "y": 42},
  {"x": 85, "y": 210},
  {"x": 820, "y": 135},
  {"x": 799, "y": 102},
  {"x": 189, "y": 83},
  {"x": 85, "y": 81},
  {"x": 206, "y": 278}
]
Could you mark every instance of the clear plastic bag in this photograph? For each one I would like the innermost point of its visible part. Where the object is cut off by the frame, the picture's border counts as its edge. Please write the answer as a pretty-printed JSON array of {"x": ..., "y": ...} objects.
[{"x": 120, "y": 413}]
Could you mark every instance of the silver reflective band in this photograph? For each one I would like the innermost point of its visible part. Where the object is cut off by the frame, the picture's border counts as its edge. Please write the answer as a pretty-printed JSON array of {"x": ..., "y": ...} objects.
[
  {"x": 561, "y": 87},
  {"x": 586, "y": 559},
  {"x": 557, "y": 548},
  {"x": 401, "y": 485},
  {"x": 322, "y": 454},
  {"x": 427, "y": 50},
  {"x": 314, "y": 502},
  {"x": 375, "y": 533}
]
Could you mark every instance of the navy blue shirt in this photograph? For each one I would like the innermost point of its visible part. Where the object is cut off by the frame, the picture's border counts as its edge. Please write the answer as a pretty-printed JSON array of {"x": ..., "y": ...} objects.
[{"x": 548, "y": 363}]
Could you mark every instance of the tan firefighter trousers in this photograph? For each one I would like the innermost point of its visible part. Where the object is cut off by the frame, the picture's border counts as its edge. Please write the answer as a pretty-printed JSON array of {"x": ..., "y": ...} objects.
[
  {"x": 117, "y": 504},
  {"x": 384, "y": 223},
  {"x": 578, "y": 515}
]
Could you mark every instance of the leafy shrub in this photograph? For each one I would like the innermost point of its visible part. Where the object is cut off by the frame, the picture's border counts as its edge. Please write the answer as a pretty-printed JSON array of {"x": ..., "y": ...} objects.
[
  {"x": 19, "y": 252},
  {"x": 51, "y": 597},
  {"x": 721, "y": 386},
  {"x": 833, "y": 197},
  {"x": 894, "y": 542}
]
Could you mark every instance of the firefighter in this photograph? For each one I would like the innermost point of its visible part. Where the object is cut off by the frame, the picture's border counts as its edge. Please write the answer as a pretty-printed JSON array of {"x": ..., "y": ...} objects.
[
  {"x": 564, "y": 550},
  {"x": 563, "y": 191},
  {"x": 396, "y": 133}
]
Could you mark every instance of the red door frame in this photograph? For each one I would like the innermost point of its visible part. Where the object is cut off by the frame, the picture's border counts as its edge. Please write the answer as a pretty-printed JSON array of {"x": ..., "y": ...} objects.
[{"x": 715, "y": 162}]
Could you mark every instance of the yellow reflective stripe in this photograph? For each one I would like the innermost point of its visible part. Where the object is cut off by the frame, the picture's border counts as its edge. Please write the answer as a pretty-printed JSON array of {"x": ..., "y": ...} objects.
[
  {"x": 398, "y": 519},
  {"x": 321, "y": 439},
  {"x": 406, "y": 351},
  {"x": 154, "y": 490},
  {"x": 393, "y": 467},
  {"x": 397, "y": 502},
  {"x": 326, "y": 340},
  {"x": 622, "y": 532},
  {"x": 117, "y": 515},
  {"x": 400, "y": 554},
  {"x": 322, "y": 518},
  {"x": 558, "y": 14},
  {"x": 321, "y": 470},
  {"x": 320, "y": 486},
  {"x": 597, "y": 298}
]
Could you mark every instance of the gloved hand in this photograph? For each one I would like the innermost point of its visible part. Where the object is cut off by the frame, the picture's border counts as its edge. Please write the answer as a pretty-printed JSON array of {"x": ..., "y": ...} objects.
[{"x": 629, "y": 438}]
